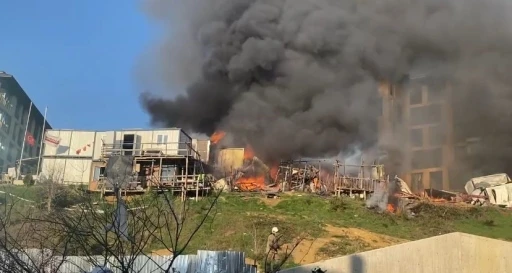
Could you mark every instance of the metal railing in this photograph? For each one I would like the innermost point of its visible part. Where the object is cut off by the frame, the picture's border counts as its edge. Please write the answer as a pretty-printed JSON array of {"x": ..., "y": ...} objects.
[
  {"x": 356, "y": 183},
  {"x": 143, "y": 182},
  {"x": 150, "y": 149}
]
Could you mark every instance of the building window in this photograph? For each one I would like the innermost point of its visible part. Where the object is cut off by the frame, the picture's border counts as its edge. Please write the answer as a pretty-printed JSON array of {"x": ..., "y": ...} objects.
[
  {"x": 25, "y": 117},
  {"x": 415, "y": 95},
  {"x": 423, "y": 115},
  {"x": 12, "y": 104},
  {"x": 5, "y": 121},
  {"x": 98, "y": 173},
  {"x": 21, "y": 136},
  {"x": 436, "y": 136},
  {"x": 436, "y": 180},
  {"x": 2, "y": 146},
  {"x": 416, "y": 137},
  {"x": 19, "y": 112},
  {"x": 4, "y": 99},
  {"x": 426, "y": 159},
  {"x": 12, "y": 155},
  {"x": 436, "y": 91},
  {"x": 162, "y": 139},
  {"x": 416, "y": 182}
]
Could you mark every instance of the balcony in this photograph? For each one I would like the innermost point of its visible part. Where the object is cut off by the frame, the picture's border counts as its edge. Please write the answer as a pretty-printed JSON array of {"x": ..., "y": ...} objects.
[{"x": 153, "y": 150}]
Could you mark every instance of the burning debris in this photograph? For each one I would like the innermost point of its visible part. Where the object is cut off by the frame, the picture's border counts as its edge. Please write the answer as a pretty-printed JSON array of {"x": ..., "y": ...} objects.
[
  {"x": 393, "y": 197},
  {"x": 298, "y": 175}
]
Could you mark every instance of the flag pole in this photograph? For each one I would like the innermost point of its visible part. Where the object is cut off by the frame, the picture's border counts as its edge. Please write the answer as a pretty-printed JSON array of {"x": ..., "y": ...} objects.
[
  {"x": 18, "y": 173},
  {"x": 42, "y": 142}
]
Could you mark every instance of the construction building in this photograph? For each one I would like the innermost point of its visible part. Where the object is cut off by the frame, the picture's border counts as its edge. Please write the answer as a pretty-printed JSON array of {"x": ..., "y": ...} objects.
[
  {"x": 426, "y": 137},
  {"x": 158, "y": 157},
  {"x": 16, "y": 108}
]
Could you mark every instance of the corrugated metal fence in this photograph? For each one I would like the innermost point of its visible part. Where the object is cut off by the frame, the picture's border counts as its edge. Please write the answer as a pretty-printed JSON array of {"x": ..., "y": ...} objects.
[{"x": 203, "y": 262}]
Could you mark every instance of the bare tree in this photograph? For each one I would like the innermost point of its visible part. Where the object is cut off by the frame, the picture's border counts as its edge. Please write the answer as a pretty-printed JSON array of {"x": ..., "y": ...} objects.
[
  {"x": 103, "y": 229},
  {"x": 50, "y": 181},
  {"x": 105, "y": 233},
  {"x": 26, "y": 245},
  {"x": 174, "y": 223}
]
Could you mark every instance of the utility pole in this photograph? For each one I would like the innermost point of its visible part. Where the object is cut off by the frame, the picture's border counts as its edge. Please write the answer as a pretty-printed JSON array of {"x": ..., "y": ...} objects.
[{"x": 18, "y": 173}]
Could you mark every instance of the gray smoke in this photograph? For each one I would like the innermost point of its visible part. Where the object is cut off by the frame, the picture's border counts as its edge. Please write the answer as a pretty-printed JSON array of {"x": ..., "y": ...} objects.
[
  {"x": 300, "y": 77},
  {"x": 379, "y": 199}
]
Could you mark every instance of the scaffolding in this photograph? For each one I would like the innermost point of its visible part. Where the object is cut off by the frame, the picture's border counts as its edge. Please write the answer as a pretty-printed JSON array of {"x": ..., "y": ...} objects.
[
  {"x": 175, "y": 167},
  {"x": 365, "y": 183},
  {"x": 301, "y": 175}
]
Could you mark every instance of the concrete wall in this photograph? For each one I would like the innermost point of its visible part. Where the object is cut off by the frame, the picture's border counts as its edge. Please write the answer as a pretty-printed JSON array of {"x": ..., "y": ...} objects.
[{"x": 454, "y": 252}]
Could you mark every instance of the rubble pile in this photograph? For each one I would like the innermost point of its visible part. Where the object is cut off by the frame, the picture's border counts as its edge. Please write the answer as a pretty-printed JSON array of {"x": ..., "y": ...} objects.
[
  {"x": 396, "y": 197},
  {"x": 297, "y": 175}
]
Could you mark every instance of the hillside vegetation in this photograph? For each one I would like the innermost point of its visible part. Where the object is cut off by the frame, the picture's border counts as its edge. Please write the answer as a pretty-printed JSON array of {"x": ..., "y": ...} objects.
[{"x": 328, "y": 226}]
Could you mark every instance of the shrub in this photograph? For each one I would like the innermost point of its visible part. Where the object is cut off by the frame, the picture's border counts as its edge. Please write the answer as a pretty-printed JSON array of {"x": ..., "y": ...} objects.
[{"x": 28, "y": 180}]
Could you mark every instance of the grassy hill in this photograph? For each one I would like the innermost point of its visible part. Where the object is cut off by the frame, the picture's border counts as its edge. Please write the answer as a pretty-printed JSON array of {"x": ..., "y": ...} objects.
[
  {"x": 329, "y": 226},
  {"x": 334, "y": 227}
]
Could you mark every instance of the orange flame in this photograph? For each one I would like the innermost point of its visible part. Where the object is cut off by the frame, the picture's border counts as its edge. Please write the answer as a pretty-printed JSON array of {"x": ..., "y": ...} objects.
[
  {"x": 390, "y": 208},
  {"x": 251, "y": 183},
  {"x": 217, "y": 136},
  {"x": 248, "y": 152}
]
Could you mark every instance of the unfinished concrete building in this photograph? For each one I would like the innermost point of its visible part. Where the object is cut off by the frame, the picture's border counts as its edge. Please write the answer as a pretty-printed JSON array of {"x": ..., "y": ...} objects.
[
  {"x": 430, "y": 134},
  {"x": 415, "y": 126}
]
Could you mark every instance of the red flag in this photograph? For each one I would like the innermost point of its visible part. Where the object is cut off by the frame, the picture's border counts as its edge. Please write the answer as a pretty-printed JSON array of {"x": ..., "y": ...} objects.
[{"x": 30, "y": 139}]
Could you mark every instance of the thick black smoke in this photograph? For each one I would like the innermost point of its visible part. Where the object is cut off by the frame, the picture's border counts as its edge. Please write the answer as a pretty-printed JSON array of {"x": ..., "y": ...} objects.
[{"x": 300, "y": 77}]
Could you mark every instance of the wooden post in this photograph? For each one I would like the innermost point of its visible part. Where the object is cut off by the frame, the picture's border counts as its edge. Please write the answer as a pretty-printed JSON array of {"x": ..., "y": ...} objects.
[
  {"x": 186, "y": 178},
  {"x": 197, "y": 181},
  {"x": 181, "y": 183}
]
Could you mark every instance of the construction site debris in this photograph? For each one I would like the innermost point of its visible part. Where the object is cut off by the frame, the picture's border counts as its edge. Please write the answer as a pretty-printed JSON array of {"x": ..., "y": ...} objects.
[
  {"x": 493, "y": 189},
  {"x": 486, "y": 181},
  {"x": 298, "y": 175}
]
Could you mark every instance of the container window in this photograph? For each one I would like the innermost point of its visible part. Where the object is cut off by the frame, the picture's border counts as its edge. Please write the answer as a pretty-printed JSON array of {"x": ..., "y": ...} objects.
[{"x": 162, "y": 139}]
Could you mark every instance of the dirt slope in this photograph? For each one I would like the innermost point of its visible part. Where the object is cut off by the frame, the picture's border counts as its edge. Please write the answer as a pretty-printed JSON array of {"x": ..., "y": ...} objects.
[{"x": 310, "y": 251}]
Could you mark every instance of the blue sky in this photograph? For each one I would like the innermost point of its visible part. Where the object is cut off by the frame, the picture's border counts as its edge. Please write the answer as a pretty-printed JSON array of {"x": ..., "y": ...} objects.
[{"x": 77, "y": 58}]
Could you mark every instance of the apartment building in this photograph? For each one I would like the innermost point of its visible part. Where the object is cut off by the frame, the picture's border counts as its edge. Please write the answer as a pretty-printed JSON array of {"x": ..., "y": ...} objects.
[{"x": 15, "y": 106}]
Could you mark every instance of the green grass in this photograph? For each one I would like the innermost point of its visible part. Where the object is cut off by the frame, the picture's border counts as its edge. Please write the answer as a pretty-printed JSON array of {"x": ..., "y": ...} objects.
[
  {"x": 26, "y": 192},
  {"x": 242, "y": 222}
]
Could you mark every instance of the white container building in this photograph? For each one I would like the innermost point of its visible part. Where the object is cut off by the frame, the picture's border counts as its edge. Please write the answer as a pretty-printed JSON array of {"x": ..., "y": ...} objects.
[{"x": 80, "y": 156}]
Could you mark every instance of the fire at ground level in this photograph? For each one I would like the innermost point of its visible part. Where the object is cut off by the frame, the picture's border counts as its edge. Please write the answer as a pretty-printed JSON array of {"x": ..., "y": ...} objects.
[{"x": 239, "y": 169}]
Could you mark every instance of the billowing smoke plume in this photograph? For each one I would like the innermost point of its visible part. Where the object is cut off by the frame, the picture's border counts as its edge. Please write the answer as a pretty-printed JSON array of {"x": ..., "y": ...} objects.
[{"x": 300, "y": 77}]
